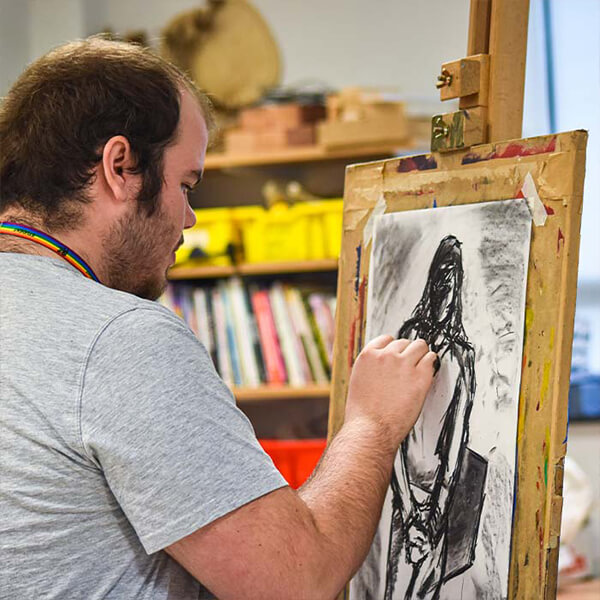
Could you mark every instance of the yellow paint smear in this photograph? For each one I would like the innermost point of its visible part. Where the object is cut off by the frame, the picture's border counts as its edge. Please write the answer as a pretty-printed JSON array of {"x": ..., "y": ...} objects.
[
  {"x": 528, "y": 318},
  {"x": 521, "y": 421},
  {"x": 545, "y": 382}
]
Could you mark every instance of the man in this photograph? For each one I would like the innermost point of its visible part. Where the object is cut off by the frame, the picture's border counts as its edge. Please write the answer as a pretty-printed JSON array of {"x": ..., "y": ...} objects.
[{"x": 126, "y": 469}]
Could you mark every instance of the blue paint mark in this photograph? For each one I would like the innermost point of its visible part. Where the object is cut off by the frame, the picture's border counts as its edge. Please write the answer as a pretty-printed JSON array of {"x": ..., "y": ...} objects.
[
  {"x": 434, "y": 203},
  {"x": 568, "y": 423},
  {"x": 357, "y": 274},
  {"x": 422, "y": 162}
]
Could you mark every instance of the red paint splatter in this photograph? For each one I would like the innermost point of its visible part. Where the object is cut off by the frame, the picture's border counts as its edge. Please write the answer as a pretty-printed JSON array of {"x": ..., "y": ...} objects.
[
  {"x": 541, "y": 537},
  {"x": 511, "y": 150},
  {"x": 358, "y": 322},
  {"x": 423, "y": 162},
  {"x": 560, "y": 237},
  {"x": 351, "y": 344},
  {"x": 549, "y": 209}
]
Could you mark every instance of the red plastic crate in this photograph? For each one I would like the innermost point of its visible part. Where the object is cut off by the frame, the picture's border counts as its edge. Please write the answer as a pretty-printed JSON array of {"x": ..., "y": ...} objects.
[{"x": 295, "y": 459}]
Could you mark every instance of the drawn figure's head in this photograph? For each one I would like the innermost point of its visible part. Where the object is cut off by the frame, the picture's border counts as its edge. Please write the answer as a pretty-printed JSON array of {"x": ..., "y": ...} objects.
[
  {"x": 439, "y": 312},
  {"x": 445, "y": 278}
]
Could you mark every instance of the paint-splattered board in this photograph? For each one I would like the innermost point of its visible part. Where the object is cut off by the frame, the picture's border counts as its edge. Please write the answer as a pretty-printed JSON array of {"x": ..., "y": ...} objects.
[{"x": 480, "y": 174}]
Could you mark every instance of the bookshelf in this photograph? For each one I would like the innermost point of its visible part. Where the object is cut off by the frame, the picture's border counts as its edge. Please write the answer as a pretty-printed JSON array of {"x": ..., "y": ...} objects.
[
  {"x": 208, "y": 277},
  {"x": 299, "y": 154},
  {"x": 267, "y": 268},
  {"x": 238, "y": 180},
  {"x": 283, "y": 392}
]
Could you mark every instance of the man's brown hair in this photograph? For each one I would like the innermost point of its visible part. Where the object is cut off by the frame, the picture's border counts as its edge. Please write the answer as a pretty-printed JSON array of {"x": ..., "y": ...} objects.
[{"x": 65, "y": 106}]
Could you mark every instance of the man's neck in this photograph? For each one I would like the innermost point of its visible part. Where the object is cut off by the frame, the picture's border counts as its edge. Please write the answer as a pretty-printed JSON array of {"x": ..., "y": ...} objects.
[{"x": 9, "y": 243}]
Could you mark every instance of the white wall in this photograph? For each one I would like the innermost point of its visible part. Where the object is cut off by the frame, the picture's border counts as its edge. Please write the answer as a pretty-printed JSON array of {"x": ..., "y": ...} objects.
[
  {"x": 14, "y": 42},
  {"x": 398, "y": 44}
]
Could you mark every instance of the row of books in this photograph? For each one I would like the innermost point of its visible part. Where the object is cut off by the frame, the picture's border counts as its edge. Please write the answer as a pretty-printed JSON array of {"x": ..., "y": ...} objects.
[{"x": 279, "y": 334}]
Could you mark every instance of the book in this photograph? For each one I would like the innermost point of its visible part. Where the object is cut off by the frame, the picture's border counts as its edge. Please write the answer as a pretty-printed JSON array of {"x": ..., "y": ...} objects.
[
  {"x": 224, "y": 360},
  {"x": 200, "y": 300},
  {"x": 269, "y": 340},
  {"x": 304, "y": 334},
  {"x": 254, "y": 337},
  {"x": 187, "y": 308},
  {"x": 317, "y": 335},
  {"x": 324, "y": 320},
  {"x": 230, "y": 333},
  {"x": 171, "y": 301},
  {"x": 286, "y": 335},
  {"x": 210, "y": 324},
  {"x": 299, "y": 346},
  {"x": 243, "y": 334}
]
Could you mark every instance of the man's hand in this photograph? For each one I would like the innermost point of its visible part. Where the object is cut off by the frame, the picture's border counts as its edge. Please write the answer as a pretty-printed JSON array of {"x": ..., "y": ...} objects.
[
  {"x": 389, "y": 382},
  {"x": 290, "y": 544}
]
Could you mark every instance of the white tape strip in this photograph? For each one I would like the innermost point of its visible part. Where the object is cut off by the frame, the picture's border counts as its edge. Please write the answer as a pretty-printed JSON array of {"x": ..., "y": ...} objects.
[
  {"x": 378, "y": 209},
  {"x": 536, "y": 206}
]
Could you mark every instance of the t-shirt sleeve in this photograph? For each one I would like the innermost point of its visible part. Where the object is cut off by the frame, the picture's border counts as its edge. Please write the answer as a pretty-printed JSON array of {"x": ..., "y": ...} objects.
[{"x": 158, "y": 421}]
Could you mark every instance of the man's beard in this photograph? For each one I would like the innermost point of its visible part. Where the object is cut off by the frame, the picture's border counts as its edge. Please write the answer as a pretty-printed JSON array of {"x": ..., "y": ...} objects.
[{"x": 132, "y": 249}]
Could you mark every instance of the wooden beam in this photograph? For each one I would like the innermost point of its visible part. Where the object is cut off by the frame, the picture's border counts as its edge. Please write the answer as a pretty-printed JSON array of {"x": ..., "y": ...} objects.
[
  {"x": 479, "y": 27},
  {"x": 508, "y": 50}
]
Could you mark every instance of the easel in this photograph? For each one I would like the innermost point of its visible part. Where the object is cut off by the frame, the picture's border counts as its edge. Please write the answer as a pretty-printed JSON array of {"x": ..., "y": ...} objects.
[{"x": 489, "y": 83}]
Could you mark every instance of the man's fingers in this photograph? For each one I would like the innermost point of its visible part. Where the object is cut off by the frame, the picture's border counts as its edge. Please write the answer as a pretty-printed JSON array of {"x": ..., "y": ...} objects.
[
  {"x": 416, "y": 350},
  {"x": 430, "y": 361},
  {"x": 398, "y": 345},
  {"x": 381, "y": 341}
]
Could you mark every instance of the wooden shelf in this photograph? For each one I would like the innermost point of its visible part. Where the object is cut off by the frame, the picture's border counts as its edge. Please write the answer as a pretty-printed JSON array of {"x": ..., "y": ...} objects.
[
  {"x": 283, "y": 392},
  {"x": 268, "y": 268},
  {"x": 295, "y": 155}
]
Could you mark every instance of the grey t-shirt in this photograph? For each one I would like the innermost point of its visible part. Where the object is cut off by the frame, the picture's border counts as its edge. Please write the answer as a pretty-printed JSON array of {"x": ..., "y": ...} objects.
[{"x": 117, "y": 438}]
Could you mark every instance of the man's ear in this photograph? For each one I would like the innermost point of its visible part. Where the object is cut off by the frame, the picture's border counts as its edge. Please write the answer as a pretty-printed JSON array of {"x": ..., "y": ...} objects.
[{"x": 117, "y": 163}]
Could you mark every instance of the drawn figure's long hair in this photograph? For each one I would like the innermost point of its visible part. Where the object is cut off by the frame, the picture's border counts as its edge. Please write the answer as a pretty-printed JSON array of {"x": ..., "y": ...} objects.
[{"x": 440, "y": 309}]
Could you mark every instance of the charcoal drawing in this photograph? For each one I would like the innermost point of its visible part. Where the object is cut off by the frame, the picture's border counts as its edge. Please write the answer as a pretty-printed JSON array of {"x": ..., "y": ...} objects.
[
  {"x": 449, "y": 276},
  {"x": 431, "y": 456}
]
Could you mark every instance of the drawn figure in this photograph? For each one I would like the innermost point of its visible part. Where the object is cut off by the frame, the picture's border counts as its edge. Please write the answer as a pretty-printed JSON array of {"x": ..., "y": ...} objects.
[{"x": 437, "y": 481}]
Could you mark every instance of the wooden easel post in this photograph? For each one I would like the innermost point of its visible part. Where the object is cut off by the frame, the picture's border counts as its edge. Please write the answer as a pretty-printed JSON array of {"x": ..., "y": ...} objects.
[{"x": 489, "y": 82}]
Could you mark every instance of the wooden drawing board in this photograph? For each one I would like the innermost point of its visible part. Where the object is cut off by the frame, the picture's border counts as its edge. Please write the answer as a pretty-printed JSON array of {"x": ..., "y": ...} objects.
[{"x": 480, "y": 174}]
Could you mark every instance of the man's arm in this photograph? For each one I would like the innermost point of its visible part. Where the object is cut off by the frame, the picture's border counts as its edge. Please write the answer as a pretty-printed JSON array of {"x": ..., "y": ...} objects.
[{"x": 307, "y": 544}]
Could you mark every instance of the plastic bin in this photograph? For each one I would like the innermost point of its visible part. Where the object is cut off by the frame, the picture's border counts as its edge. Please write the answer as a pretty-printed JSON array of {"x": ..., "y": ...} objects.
[
  {"x": 304, "y": 231},
  {"x": 332, "y": 226},
  {"x": 295, "y": 459},
  {"x": 312, "y": 213},
  {"x": 277, "y": 234},
  {"x": 210, "y": 238}
]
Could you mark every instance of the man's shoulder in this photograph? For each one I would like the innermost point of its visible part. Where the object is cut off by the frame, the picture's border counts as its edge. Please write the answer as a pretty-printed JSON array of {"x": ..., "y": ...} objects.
[{"x": 60, "y": 302}]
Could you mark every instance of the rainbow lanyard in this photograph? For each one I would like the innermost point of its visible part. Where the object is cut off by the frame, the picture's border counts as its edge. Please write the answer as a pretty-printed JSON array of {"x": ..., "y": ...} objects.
[{"x": 39, "y": 237}]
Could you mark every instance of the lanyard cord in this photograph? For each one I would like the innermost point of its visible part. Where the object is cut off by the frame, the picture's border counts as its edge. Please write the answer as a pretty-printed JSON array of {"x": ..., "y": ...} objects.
[{"x": 39, "y": 237}]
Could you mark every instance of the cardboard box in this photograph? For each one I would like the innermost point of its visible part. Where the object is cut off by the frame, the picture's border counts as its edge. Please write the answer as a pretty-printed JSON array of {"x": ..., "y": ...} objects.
[
  {"x": 382, "y": 129},
  {"x": 281, "y": 116},
  {"x": 242, "y": 141}
]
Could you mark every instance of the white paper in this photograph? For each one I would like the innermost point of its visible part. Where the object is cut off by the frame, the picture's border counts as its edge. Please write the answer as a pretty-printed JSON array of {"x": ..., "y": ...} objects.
[{"x": 458, "y": 275}]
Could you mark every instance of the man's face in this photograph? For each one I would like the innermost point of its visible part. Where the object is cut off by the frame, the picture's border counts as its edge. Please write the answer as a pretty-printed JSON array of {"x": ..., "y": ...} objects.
[{"x": 139, "y": 249}]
